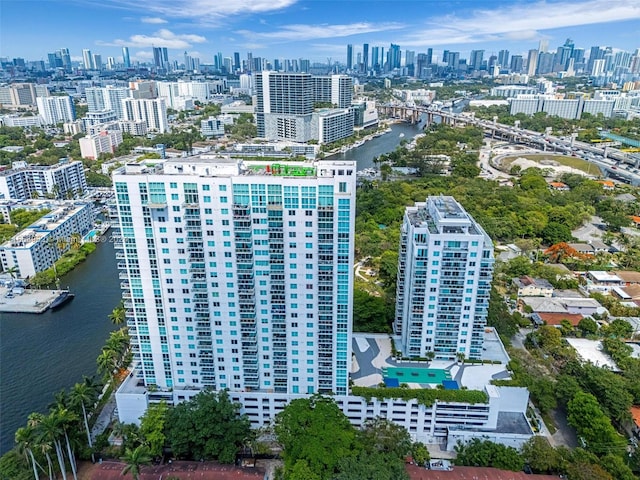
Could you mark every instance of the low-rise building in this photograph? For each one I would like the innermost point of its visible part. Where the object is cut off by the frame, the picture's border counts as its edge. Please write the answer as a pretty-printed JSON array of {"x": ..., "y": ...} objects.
[
  {"x": 38, "y": 246},
  {"x": 106, "y": 141},
  {"x": 602, "y": 282},
  {"x": 533, "y": 287}
]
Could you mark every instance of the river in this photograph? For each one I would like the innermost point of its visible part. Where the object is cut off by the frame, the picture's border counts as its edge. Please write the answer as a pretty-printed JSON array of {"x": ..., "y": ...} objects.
[
  {"x": 388, "y": 142},
  {"x": 42, "y": 354}
]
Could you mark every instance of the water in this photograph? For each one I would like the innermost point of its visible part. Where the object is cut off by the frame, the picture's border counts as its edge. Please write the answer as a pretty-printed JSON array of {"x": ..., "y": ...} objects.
[
  {"x": 386, "y": 143},
  {"x": 42, "y": 354}
]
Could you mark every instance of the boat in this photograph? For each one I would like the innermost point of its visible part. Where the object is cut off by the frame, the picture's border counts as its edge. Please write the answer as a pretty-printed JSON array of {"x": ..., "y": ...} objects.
[
  {"x": 401, "y": 135},
  {"x": 62, "y": 299}
]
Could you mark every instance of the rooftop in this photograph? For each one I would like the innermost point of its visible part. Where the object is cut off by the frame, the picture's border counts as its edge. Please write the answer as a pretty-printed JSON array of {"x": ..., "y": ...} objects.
[
  {"x": 372, "y": 354},
  {"x": 210, "y": 165},
  {"x": 591, "y": 351}
]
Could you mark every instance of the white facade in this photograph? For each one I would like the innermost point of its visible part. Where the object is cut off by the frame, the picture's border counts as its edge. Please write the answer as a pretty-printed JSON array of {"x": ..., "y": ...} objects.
[
  {"x": 38, "y": 246},
  {"x": 17, "y": 121},
  {"x": 151, "y": 111},
  {"x": 214, "y": 126},
  {"x": 54, "y": 110},
  {"x": 334, "y": 124},
  {"x": 445, "y": 268},
  {"x": 239, "y": 275},
  {"x": 106, "y": 141},
  {"x": 61, "y": 180}
]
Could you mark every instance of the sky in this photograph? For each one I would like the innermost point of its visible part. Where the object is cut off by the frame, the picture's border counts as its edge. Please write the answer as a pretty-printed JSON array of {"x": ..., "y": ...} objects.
[{"x": 314, "y": 29}]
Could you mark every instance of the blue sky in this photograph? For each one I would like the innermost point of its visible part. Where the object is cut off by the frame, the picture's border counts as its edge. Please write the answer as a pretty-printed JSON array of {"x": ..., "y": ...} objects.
[{"x": 314, "y": 29}]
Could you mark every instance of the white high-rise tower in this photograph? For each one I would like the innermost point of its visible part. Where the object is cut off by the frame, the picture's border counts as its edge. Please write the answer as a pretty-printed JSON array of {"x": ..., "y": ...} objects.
[{"x": 445, "y": 269}]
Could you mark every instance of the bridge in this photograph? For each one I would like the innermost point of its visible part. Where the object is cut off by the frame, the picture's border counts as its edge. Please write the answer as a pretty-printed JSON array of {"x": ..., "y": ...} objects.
[{"x": 611, "y": 157}]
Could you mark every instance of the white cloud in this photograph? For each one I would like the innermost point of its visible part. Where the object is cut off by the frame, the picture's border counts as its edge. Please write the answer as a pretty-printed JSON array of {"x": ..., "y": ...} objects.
[
  {"x": 296, "y": 33},
  {"x": 202, "y": 11},
  {"x": 153, "y": 20},
  {"x": 161, "y": 38},
  {"x": 523, "y": 21}
]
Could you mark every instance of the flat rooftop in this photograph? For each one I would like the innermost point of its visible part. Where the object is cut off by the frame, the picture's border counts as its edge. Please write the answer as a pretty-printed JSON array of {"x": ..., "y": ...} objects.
[
  {"x": 372, "y": 354},
  {"x": 591, "y": 351},
  {"x": 211, "y": 165}
]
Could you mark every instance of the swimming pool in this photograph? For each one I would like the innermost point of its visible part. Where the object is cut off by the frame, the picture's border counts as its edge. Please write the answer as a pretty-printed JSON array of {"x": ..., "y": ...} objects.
[
  {"x": 89, "y": 236},
  {"x": 417, "y": 374}
]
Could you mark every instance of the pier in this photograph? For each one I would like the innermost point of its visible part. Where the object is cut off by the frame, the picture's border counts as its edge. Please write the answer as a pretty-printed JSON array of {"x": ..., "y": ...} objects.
[{"x": 29, "y": 301}]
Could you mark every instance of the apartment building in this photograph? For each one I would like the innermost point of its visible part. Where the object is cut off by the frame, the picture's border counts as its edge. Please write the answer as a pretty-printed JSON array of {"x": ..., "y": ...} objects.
[
  {"x": 445, "y": 269},
  {"x": 63, "y": 180}
]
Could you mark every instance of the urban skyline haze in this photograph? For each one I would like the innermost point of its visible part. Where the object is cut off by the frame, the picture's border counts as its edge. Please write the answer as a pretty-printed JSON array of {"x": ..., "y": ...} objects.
[{"x": 311, "y": 29}]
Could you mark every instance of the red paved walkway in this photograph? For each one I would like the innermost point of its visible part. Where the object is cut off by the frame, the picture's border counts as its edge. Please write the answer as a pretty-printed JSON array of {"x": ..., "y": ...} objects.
[
  {"x": 110, "y": 470},
  {"x": 472, "y": 473}
]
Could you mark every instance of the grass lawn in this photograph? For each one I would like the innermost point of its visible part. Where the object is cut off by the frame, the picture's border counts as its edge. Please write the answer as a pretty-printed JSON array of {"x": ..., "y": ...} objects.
[
  {"x": 548, "y": 421},
  {"x": 565, "y": 160}
]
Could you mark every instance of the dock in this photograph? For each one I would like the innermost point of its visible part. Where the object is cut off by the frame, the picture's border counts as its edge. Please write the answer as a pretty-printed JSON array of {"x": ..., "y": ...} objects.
[{"x": 29, "y": 301}]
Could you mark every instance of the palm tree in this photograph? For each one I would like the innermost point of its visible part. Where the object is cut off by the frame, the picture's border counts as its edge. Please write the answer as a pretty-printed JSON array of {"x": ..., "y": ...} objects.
[
  {"x": 51, "y": 431},
  {"x": 76, "y": 241},
  {"x": 66, "y": 418},
  {"x": 25, "y": 438},
  {"x": 107, "y": 362},
  {"x": 12, "y": 271},
  {"x": 60, "y": 400},
  {"x": 83, "y": 395},
  {"x": 34, "y": 421},
  {"x": 117, "y": 315},
  {"x": 135, "y": 459}
]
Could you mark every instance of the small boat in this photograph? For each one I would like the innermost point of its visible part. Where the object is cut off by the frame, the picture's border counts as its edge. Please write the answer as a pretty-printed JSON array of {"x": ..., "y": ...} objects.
[
  {"x": 62, "y": 299},
  {"x": 401, "y": 135}
]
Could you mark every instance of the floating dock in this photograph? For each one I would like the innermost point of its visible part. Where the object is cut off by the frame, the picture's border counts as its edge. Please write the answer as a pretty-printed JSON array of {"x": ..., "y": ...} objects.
[{"x": 29, "y": 301}]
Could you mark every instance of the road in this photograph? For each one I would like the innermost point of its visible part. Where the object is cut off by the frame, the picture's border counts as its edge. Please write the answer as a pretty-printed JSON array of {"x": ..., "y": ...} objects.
[{"x": 589, "y": 231}]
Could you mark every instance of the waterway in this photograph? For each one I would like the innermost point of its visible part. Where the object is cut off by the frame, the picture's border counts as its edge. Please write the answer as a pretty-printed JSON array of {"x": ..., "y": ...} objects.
[
  {"x": 386, "y": 143},
  {"x": 42, "y": 354}
]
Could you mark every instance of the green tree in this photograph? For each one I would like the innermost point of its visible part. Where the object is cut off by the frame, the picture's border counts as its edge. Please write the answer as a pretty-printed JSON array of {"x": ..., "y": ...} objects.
[
  {"x": 152, "y": 427},
  {"x": 83, "y": 395},
  {"x": 301, "y": 471},
  {"x": 315, "y": 430},
  {"x": 484, "y": 453},
  {"x": 135, "y": 460},
  {"x": 614, "y": 464},
  {"x": 586, "y": 416},
  {"x": 26, "y": 442},
  {"x": 588, "y": 326},
  {"x": 541, "y": 456},
  {"x": 207, "y": 426}
]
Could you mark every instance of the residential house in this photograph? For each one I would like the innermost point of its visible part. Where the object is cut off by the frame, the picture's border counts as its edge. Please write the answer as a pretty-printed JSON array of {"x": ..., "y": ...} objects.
[
  {"x": 533, "y": 287},
  {"x": 559, "y": 186},
  {"x": 607, "y": 184}
]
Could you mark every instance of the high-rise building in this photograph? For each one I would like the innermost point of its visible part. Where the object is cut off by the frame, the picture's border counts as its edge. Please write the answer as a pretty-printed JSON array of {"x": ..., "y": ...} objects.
[
  {"x": 54, "y": 110},
  {"x": 393, "y": 57},
  {"x": 126, "y": 60},
  {"x": 532, "y": 62},
  {"x": 96, "y": 61},
  {"x": 453, "y": 60},
  {"x": 236, "y": 61},
  {"x": 349, "y": 57},
  {"x": 238, "y": 275},
  {"x": 87, "y": 59},
  {"x": 475, "y": 59},
  {"x": 365, "y": 57},
  {"x": 516, "y": 63},
  {"x": 66, "y": 59},
  {"x": 445, "y": 269},
  {"x": 503, "y": 58},
  {"x": 161, "y": 58},
  {"x": 152, "y": 111}
]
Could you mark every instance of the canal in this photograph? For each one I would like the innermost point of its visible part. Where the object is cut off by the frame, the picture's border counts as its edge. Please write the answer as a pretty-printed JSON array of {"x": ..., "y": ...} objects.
[
  {"x": 42, "y": 354},
  {"x": 386, "y": 143}
]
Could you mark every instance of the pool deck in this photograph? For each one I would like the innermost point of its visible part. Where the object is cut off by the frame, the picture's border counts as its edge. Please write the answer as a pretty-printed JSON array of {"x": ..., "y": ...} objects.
[
  {"x": 372, "y": 354},
  {"x": 31, "y": 301}
]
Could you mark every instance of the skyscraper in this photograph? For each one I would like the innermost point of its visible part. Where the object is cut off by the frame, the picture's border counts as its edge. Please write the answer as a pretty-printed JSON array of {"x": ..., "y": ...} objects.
[
  {"x": 66, "y": 59},
  {"x": 349, "y": 57},
  {"x": 161, "y": 57},
  {"x": 532, "y": 62},
  {"x": 87, "y": 59},
  {"x": 236, "y": 61},
  {"x": 393, "y": 57},
  {"x": 516, "y": 63},
  {"x": 475, "y": 59},
  {"x": 445, "y": 269},
  {"x": 365, "y": 57},
  {"x": 503, "y": 58},
  {"x": 126, "y": 61},
  {"x": 239, "y": 275}
]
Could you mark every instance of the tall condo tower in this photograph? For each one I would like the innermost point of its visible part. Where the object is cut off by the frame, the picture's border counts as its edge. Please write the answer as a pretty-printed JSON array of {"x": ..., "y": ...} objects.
[
  {"x": 238, "y": 275},
  {"x": 445, "y": 269}
]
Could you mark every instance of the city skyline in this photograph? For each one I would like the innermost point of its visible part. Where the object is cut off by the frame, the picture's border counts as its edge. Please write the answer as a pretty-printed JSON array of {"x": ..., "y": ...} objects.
[{"x": 310, "y": 29}]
